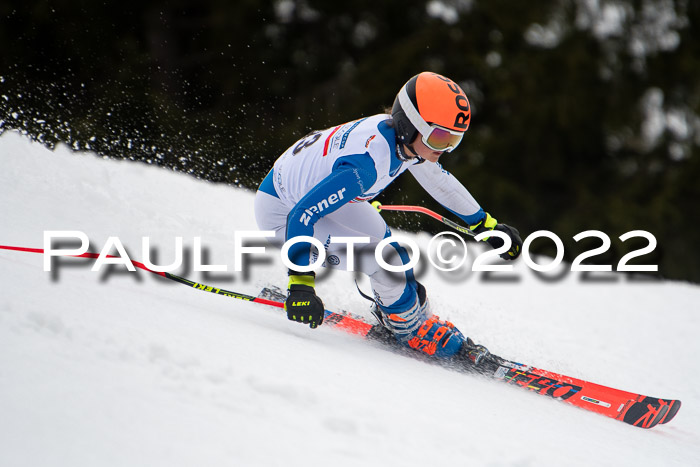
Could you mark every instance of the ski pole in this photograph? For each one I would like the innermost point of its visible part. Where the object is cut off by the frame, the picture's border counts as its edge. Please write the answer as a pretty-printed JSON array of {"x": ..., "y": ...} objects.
[
  {"x": 380, "y": 207},
  {"x": 341, "y": 320},
  {"x": 167, "y": 275}
]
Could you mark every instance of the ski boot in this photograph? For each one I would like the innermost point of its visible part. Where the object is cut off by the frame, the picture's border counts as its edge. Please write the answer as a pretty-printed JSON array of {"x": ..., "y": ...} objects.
[{"x": 419, "y": 329}]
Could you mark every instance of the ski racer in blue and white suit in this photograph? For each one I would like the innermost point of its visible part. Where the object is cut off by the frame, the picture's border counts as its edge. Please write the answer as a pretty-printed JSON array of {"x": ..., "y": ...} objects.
[{"x": 321, "y": 187}]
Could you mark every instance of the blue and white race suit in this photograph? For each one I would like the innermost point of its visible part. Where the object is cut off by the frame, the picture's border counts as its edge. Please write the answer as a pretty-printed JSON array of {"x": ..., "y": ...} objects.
[{"x": 321, "y": 187}]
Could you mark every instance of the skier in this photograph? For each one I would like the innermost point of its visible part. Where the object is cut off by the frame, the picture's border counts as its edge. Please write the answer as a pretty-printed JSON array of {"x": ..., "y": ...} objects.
[{"x": 321, "y": 187}]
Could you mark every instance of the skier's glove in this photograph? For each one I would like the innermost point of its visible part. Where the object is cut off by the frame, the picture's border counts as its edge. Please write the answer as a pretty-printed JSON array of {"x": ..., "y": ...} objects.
[
  {"x": 302, "y": 304},
  {"x": 489, "y": 223}
]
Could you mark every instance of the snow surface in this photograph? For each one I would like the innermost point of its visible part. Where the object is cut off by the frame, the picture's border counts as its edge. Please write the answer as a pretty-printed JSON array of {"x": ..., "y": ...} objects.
[{"x": 131, "y": 369}]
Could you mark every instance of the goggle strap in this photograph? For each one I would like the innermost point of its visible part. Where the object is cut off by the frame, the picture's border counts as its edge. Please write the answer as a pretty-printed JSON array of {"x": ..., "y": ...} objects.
[{"x": 412, "y": 113}]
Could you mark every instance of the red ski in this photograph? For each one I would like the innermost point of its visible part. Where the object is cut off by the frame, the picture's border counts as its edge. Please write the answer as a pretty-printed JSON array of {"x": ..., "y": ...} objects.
[{"x": 635, "y": 409}]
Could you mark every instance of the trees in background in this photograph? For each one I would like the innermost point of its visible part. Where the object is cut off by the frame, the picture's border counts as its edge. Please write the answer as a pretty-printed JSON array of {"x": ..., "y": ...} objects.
[{"x": 586, "y": 115}]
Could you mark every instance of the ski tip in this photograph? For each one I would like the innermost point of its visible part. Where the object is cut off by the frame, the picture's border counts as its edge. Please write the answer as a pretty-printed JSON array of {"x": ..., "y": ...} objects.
[
  {"x": 651, "y": 411},
  {"x": 674, "y": 407}
]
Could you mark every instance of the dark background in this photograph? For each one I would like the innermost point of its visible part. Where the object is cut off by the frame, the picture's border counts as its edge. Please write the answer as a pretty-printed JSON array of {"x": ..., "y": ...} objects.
[{"x": 584, "y": 117}]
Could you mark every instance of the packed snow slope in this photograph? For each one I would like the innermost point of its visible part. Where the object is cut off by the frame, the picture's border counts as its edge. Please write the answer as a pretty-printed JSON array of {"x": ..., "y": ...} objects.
[{"x": 120, "y": 368}]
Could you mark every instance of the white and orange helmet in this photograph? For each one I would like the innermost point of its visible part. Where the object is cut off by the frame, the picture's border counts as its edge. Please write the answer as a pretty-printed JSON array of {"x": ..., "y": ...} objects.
[{"x": 434, "y": 106}]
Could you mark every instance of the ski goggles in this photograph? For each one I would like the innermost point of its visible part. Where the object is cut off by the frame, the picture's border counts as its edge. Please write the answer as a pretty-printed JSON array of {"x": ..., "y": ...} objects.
[
  {"x": 442, "y": 139},
  {"x": 434, "y": 136}
]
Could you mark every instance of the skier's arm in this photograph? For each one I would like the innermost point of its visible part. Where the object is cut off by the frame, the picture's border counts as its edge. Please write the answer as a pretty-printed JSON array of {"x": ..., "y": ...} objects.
[
  {"x": 351, "y": 176},
  {"x": 449, "y": 192}
]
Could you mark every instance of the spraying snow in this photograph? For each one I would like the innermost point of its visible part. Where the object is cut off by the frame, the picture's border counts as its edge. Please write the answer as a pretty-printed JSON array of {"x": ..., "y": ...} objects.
[{"x": 122, "y": 368}]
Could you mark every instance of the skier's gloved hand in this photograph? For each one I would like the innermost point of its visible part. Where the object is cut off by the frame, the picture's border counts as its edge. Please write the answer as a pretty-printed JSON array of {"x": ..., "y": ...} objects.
[
  {"x": 489, "y": 223},
  {"x": 516, "y": 244},
  {"x": 302, "y": 304}
]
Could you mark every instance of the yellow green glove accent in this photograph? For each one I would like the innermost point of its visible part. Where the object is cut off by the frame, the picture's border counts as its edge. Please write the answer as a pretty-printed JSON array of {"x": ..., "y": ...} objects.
[
  {"x": 487, "y": 223},
  {"x": 306, "y": 280}
]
